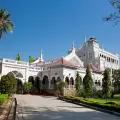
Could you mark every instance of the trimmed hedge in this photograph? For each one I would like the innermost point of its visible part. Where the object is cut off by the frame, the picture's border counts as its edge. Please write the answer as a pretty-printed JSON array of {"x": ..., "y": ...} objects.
[{"x": 113, "y": 107}]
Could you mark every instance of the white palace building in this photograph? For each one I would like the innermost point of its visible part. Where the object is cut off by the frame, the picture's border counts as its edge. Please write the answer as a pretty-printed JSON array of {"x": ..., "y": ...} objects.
[{"x": 65, "y": 68}]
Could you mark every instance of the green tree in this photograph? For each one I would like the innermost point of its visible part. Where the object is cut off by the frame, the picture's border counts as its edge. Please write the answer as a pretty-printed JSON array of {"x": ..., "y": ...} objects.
[
  {"x": 27, "y": 87},
  {"x": 116, "y": 81},
  {"x": 5, "y": 24},
  {"x": 116, "y": 15},
  {"x": 31, "y": 59},
  {"x": 18, "y": 57},
  {"x": 87, "y": 82},
  {"x": 78, "y": 84},
  {"x": 7, "y": 84},
  {"x": 60, "y": 87},
  {"x": 106, "y": 83}
]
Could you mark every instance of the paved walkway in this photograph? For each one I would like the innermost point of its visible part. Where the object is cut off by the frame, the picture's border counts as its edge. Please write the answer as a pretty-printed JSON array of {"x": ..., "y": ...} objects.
[{"x": 49, "y": 108}]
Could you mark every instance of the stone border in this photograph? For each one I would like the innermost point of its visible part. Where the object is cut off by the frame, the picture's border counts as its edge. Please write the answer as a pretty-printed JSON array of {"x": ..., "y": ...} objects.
[
  {"x": 6, "y": 111},
  {"x": 89, "y": 106}
]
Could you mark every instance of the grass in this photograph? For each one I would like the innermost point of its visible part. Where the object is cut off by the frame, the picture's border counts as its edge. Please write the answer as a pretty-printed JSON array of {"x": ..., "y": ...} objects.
[
  {"x": 3, "y": 98},
  {"x": 116, "y": 99},
  {"x": 112, "y": 104}
]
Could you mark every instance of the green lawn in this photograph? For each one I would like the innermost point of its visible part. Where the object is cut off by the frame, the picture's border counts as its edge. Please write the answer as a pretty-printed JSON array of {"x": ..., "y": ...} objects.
[
  {"x": 112, "y": 104},
  {"x": 116, "y": 99},
  {"x": 3, "y": 98}
]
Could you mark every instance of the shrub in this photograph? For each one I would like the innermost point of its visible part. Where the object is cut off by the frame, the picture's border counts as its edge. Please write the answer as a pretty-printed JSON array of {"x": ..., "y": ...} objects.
[
  {"x": 7, "y": 84},
  {"x": 27, "y": 87},
  {"x": 99, "y": 93},
  {"x": 109, "y": 105},
  {"x": 60, "y": 87},
  {"x": 3, "y": 97}
]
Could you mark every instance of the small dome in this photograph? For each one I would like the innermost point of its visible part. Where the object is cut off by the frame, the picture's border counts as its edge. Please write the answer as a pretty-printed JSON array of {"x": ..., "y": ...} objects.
[{"x": 92, "y": 39}]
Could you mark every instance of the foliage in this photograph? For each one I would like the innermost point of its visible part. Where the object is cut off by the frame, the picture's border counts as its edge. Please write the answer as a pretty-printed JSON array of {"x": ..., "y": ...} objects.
[
  {"x": 27, "y": 87},
  {"x": 88, "y": 82},
  {"x": 78, "y": 83},
  {"x": 116, "y": 15},
  {"x": 60, "y": 87},
  {"x": 5, "y": 24},
  {"x": 103, "y": 105},
  {"x": 7, "y": 84},
  {"x": 3, "y": 98},
  {"x": 106, "y": 84},
  {"x": 18, "y": 57},
  {"x": 31, "y": 59},
  {"x": 99, "y": 93},
  {"x": 116, "y": 81}
]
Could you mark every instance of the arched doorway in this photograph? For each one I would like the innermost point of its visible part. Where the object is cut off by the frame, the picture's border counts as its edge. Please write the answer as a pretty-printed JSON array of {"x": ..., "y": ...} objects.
[
  {"x": 53, "y": 82},
  {"x": 45, "y": 82},
  {"x": 19, "y": 86},
  {"x": 16, "y": 74},
  {"x": 31, "y": 79},
  {"x": 37, "y": 83},
  {"x": 19, "y": 77},
  {"x": 67, "y": 82},
  {"x": 71, "y": 82},
  {"x": 58, "y": 79}
]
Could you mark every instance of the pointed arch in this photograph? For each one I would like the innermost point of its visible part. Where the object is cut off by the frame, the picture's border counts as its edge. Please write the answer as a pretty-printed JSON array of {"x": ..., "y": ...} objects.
[
  {"x": 19, "y": 89},
  {"x": 37, "y": 83},
  {"x": 16, "y": 74},
  {"x": 53, "y": 81},
  {"x": 71, "y": 81},
  {"x": 31, "y": 79},
  {"x": 45, "y": 82},
  {"x": 67, "y": 80},
  {"x": 58, "y": 79}
]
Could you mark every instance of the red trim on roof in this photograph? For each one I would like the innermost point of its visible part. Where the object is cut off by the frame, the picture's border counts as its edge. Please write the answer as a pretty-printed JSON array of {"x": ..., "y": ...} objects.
[{"x": 63, "y": 62}]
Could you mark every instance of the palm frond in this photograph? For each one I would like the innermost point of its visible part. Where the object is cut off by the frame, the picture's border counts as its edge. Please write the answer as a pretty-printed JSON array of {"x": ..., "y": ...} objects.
[
  {"x": 6, "y": 16},
  {"x": 0, "y": 34},
  {"x": 5, "y": 31},
  {"x": 10, "y": 23},
  {"x": 8, "y": 28}
]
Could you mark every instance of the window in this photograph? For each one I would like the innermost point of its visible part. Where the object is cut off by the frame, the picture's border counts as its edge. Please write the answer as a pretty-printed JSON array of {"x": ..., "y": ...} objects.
[{"x": 90, "y": 55}]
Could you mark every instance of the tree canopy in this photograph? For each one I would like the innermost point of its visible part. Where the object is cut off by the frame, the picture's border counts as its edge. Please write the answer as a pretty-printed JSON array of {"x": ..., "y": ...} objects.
[
  {"x": 31, "y": 59},
  {"x": 7, "y": 84},
  {"x": 115, "y": 16},
  {"x": 88, "y": 81},
  {"x": 106, "y": 83},
  {"x": 18, "y": 57},
  {"x": 116, "y": 81},
  {"x": 5, "y": 23},
  {"x": 78, "y": 84}
]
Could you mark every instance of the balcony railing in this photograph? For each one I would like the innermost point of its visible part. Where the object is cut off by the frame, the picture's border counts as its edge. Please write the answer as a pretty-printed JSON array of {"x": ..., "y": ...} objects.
[{"x": 10, "y": 61}]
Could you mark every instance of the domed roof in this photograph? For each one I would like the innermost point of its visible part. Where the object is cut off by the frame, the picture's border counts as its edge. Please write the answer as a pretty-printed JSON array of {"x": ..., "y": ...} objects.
[{"x": 92, "y": 39}]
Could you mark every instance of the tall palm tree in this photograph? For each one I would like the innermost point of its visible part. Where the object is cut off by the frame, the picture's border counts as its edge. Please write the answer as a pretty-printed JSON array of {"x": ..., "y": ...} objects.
[{"x": 5, "y": 24}]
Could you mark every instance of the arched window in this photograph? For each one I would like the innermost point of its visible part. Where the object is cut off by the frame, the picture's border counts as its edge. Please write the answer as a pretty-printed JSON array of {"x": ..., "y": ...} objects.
[
  {"x": 16, "y": 74},
  {"x": 37, "y": 83},
  {"x": 67, "y": 80},
  {"x": 58, "y": 79},
  {"x": 45, "y": 82},
  {"x": 71, "y": 81},
  {"x": 53, "y": 81},
  {"x": 31, "y": 79}
]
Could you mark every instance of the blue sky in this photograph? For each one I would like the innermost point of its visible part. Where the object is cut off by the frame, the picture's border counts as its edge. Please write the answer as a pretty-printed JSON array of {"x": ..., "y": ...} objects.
[{"x": 53, "y": 24}]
